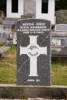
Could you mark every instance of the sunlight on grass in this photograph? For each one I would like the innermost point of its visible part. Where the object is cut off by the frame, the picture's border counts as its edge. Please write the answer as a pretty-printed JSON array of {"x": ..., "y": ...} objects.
[
  {"x": 8, "y": 67},
  {"x": 59, "y": 75}
]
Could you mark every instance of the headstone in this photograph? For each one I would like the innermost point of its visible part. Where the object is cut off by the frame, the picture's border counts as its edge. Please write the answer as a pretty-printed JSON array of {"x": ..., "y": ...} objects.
[
  {"x": 14, "y": 39},
  {"x": 61, "y": 27},
  {"x": 30, "y": 7},
  {"x": 3, "y": 37},
  {"x": 33, "y": 52}
]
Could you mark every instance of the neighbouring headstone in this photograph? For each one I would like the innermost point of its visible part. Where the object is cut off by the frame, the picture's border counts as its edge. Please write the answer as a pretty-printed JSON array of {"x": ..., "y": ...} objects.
[
  {"x": 30, "y": 7},
  {"x": 14, "y": 39},
  {"x": 33, "y": 52},
  {"x": 3, "y": 37}
]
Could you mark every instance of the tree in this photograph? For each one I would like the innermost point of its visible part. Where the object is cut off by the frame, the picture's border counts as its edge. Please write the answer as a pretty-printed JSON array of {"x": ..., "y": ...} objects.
[
  {"x": 3, "y": 5},
  {"x": 61, "y": 4}
]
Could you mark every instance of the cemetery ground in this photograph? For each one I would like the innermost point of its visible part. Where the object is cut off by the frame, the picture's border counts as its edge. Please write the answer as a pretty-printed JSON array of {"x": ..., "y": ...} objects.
[{"x": 8, "y": 67}]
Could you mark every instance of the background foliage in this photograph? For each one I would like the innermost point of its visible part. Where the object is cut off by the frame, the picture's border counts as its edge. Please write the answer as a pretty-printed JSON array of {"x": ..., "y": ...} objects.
[
  {"x": 61, "y": 5},
  {"x": 3, "y": 5}
]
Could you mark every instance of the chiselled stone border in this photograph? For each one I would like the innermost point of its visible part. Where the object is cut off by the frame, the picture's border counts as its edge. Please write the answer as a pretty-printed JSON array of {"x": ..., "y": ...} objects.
[{"x": 17, "y": 92}]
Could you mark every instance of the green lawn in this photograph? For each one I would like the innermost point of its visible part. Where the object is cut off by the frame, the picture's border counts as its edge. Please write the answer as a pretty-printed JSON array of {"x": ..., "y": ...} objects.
[
  {"x": 8, "y": 69},
  {"x": 59, "y": 74}
]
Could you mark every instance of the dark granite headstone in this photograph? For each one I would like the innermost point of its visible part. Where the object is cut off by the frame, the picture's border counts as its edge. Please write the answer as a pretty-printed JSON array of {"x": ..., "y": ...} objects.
[{"x": 33, "y": 52}]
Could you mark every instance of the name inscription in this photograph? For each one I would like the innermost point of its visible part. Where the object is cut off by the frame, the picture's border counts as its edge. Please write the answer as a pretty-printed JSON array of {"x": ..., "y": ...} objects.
[{"x": 33, "y": 28}]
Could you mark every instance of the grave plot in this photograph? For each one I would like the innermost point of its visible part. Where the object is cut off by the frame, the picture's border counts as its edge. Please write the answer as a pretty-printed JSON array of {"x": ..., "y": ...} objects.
[{"x": 34, "y": 61}]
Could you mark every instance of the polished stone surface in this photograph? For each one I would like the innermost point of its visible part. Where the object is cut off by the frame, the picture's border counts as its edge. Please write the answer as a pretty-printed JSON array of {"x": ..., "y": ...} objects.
[{"x": 33, "y": 52}]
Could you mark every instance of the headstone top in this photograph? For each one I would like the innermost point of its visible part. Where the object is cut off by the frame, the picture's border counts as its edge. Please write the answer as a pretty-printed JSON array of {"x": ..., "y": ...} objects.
[{"x": 33, "y": 26}]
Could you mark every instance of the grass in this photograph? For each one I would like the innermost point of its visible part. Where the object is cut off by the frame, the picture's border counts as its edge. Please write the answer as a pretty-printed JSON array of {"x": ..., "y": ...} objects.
[
  {"x": 2, "y": 44},
  {"x": 59, "y": 74},
  {"x": 8, "y": 69}
]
